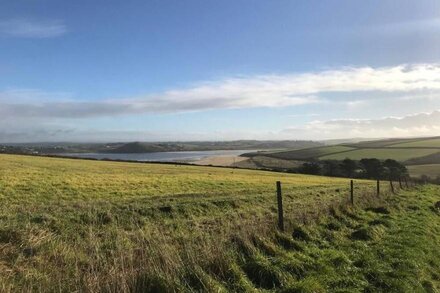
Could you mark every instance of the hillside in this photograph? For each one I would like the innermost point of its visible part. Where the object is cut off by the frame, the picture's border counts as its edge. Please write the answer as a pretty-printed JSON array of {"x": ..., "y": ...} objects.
[
  {"x": 138, "y": 147},
  {"x": 410, "y": 151},
  {"x": 310, "y": 153},
  {"x": 150, "y": 147},
  {"x": 93, "y": 226},
  {"x": 430, "y": 170}
]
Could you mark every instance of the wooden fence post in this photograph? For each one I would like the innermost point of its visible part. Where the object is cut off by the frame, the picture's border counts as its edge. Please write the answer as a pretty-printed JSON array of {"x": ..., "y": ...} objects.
[
  {"x": 280, "y": 207},
  {"x": 352, "y": 192},
  {"x": 391, "y": 185},
  {"x": 400, "y": 182},
  {"x": 378, "y": 187},
  {"x": 406, "y": 182}
]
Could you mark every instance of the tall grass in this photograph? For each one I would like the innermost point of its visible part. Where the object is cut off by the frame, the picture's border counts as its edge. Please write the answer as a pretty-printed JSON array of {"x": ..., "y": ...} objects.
[{"x": 79, "y": 237}]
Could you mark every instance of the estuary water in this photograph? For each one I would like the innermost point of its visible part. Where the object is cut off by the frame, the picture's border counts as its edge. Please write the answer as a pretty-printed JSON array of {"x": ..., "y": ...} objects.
[{"x": 187, "y": 156}]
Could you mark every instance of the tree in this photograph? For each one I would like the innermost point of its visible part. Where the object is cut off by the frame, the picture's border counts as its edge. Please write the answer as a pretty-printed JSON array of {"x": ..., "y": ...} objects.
[
  {"x": 348, "y": 167},
  {"x": 331, "y": 168},
  {"x": 310, "y": 168},
  {"x": 394, "y": 170},
  {"x": 372, "y": 168}
]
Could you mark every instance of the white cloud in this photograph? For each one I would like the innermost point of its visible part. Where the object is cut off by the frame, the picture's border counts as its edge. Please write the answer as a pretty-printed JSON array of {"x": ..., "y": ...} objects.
[
  {"x": 26, "y": 28},
  {"x": 416, "y": 125},
  {"x": 420, "y": 124},
  {"x": 242, "y": 92},
  {"x": 391, "y": 90}
]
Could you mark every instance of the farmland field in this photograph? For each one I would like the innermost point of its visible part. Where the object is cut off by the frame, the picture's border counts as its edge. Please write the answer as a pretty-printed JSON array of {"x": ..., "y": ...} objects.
[
  {"x": 421, "y": 143},
  {"x": 87, "y": 226},
  {"x": 383, "y": 153},
  {"x": 310, "y": 152},
  {"x": 431, "y": 170},
  {"x": 382, "y": 143},
  {"x": 262, "y": 161},
  {"x": 410, "y": 151}
]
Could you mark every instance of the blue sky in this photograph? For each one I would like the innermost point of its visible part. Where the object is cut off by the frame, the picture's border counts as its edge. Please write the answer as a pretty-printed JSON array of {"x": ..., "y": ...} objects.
[{"x": 203, "y": 70}]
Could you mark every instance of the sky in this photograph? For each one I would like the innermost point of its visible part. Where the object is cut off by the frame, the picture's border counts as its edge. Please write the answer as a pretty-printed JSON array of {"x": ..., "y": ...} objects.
[{"x": 147, "y": 70}]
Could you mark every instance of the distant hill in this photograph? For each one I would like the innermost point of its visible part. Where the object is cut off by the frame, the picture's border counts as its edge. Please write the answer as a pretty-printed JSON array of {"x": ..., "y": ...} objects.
[
  {"x": 347, "y": 140},
  {"x": 414, "y": 152},
  {"x": 150, "y": 147},
  {"x": 137, "y": 147},
  {"x": 144, "y": 147},
  {"x": 402, "y": 149}
]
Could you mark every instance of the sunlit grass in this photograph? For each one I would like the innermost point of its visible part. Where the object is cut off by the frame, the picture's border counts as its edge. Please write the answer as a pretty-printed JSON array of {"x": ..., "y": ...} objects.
[
  {"x": 382, "y": 154},
  {"x": 88, "y": 226}
]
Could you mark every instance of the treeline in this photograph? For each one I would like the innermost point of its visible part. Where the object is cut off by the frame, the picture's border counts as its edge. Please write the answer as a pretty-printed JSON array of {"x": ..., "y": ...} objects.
[{"x": 366, "y": 168}]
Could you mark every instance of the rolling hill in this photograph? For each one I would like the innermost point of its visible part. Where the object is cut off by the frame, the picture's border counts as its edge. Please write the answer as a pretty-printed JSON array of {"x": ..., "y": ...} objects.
[
  {"x": 310, "y": 153},
  {"x": 410, "y": 151},
  {"x": 151, "y": 147},
  {"x": 95, "y": 226}
]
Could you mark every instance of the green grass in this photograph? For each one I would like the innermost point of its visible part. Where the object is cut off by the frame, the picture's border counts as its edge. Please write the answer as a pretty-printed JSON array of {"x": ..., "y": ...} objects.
[
  {"x": 309, "y": 153},
  {"x": 81, "y": 179},
  {"x": 431, "y": 170},
  {"x": 425, "y": 160},
  {"x": 256, "y": 162},
  {"x": 87, "y": 226},
  {"x": 385, "y": 153},
  {"x": 421, "y": 143},
  {"x": 381, "y": 143}
]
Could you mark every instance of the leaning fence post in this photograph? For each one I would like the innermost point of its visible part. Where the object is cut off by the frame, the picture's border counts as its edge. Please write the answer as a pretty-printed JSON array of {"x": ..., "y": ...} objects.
[
  {"x": 352, "y": 192},
  {"x": 280, "y": 207},
  {"x": 391, "y": 185},
  {"x": 378, "y": 187}
]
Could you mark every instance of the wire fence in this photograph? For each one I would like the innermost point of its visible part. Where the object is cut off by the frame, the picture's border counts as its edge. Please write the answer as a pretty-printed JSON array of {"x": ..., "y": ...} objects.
[{"x": 362, "y": 193}]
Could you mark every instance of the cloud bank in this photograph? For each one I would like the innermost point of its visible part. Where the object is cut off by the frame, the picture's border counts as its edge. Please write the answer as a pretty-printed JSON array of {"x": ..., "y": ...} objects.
[
  {"x": 420, "y": 124},
  {"x": 238, "y": 93},
  {"x": 415, "y": 125},
  {"x": 35, "y": 115}
]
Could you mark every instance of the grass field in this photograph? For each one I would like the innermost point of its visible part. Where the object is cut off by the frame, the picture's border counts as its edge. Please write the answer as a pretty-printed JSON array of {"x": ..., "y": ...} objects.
[
  {"x": 431, "y": 170},
  {"x": 87, "y": 226},
  {"x": 256, "y": 162},
  {"x": 425, "y": 160},
  {"x": 421, "y": 143},
  {"x": 309, "y": 153},
  {"x": 382, "y": 143},
  {"x": 385, "y": 153},
  {"x": 409, "y": 151}
]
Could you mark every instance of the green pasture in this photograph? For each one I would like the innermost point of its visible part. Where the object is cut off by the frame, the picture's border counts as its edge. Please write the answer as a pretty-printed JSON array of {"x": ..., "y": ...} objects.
[
  {"x": 420, "y": 143},
  {"x": 430, "y": 170},
  {"x": 309, "y": 153},
  {"x": 382, "y": 154},
  {"x": 88, "y": 226}
]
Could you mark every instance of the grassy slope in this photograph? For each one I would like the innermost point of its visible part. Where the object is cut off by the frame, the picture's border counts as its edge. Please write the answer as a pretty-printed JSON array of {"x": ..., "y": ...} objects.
[
  {"x": 383, "y": 142},
  {"x": 80, "y": 179},
  {"x": 421, "y": 143},
  {"x": 431, "y": 170},
  {"x": 72, "y": 225},
  {"x": 383, "y": 153},
  {"x": 256, "y": 162},
  {"x": 382, "y": 249},
  {"x": 391, "y": 142},
  {"x": 304, "y": 154},
  {"x": 83, "y": 216},
  {"x": 399, "y": 149},
  {"x": 425, "y": 160},
  {"x": 410, "y": 151}
]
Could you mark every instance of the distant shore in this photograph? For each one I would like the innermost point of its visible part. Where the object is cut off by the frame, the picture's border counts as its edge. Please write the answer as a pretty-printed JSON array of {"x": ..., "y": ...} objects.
[{"x": 224, "y": 161}]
